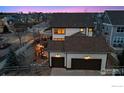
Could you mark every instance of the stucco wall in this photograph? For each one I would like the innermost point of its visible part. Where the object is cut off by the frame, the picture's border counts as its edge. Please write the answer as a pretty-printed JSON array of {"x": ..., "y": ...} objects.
[
  {"x": 68, "y": 32},
  {"x": 71, "y": 31},
  {"x": 68, "y": 58}
]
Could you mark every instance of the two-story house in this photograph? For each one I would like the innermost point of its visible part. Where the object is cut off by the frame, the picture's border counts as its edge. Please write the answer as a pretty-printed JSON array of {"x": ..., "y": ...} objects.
[
  {"x": 74, "y": 44},
  {"x": 113, "y": 28}
]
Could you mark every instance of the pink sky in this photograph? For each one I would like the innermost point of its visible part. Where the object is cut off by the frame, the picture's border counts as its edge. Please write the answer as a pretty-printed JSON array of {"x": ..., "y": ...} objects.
[{"x": 58, "y": 8}]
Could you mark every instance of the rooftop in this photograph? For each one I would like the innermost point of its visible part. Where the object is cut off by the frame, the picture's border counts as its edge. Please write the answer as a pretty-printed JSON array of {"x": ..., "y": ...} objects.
[
  {"x": 56, "y": 46},
  {"x": 86, "y": 44},
  {"x": 80, "y": 44},
  {"x": 116, "y": 16},
  {"x": 72, "y": 19}
]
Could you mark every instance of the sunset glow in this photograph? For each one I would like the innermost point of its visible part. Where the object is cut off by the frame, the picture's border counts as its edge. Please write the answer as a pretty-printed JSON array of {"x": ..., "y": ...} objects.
[{"x": 47, "y": 9}]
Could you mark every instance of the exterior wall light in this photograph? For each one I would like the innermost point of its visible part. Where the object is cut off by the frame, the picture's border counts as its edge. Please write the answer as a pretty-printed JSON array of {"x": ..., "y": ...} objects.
[
  {"x": 87, "y": 57},
  {"x": 81, "y": 30},
  {"x": 57, "y": 55}
]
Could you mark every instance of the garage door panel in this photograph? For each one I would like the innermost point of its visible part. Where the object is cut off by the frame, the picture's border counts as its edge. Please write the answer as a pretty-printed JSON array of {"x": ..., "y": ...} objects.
[
  {"x": 57, "y": 61},
  {"x": 90, "y": 64}
]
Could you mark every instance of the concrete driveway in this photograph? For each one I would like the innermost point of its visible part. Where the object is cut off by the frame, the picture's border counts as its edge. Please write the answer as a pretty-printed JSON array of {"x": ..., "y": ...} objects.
[{"x": 64, "y": 72}]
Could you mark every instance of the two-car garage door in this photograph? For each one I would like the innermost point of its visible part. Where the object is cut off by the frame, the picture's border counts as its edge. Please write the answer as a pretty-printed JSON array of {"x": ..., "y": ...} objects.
[
  {"x": 89, "y": 64},
  {"x": 76, "y": 63}
]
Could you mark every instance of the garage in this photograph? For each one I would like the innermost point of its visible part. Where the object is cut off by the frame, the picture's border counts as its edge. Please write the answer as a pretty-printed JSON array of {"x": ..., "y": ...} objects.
[
  {"x": 87, "y": 64},
  {"x": 57, "y": 62}
]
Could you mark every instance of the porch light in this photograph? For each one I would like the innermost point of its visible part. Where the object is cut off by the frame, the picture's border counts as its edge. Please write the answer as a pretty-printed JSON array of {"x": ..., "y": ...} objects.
[
  {"x": 57, "y": 55},
  {"x": 81, "y": 29},
  {"x": 87, "y": 57}
]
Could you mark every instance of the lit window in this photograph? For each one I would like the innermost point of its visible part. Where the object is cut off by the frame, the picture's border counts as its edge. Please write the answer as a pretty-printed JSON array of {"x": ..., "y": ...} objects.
[
  {"x": 81, "y": 29},
  {"x": 63, "y": 32},
  {"x": 59, "y": 31},
  {"x": 90, "y": 29},
  {"x": 58, "y": 39}
]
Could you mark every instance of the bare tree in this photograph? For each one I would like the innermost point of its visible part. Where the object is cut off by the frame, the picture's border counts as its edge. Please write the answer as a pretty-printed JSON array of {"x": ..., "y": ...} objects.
[{"x": 19, "y": 34}]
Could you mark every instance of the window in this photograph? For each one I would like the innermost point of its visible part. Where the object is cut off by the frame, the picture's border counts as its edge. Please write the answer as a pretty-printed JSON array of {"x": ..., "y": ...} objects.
[
  {"x": 58, "y": 39},
  {"x": 90, "y": 30},
  {"x": 118, "y": 40},
  {"x": 81, "y": 29},
  {"x": 120, "y": 29},
  {"x": 59, "y": 31},
  {"x": 103, "y": 27},
  {"x": 106, "y": 33}
]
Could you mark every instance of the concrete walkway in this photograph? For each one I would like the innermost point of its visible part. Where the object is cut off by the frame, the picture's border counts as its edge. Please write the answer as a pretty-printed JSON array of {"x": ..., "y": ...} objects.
[{"x": 64, "y": 72}]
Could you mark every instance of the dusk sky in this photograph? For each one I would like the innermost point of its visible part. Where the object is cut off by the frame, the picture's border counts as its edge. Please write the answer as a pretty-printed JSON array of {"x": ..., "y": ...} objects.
[{"x": 45, "y": 9}]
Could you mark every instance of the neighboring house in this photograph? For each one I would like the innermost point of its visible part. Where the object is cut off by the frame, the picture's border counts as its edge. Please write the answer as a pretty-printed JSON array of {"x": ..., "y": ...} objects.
[
  {"x": 74, "y": 44},
  {"x": 66, "y": 24},
  {"x": 113, "y": 28},
  {"x": 1, "y": 26}
]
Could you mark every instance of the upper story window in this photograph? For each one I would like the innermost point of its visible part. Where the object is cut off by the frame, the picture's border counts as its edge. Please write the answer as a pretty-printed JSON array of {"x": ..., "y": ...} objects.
[
  {"x": 120, "y": 29},
  {"x": 82, "y": 29},
  {"x": 118, "y": 40},
  {"x": 90, "y": 29},
  {"x": 58, "y": 39},
  {"x": 59, "y": 31}
]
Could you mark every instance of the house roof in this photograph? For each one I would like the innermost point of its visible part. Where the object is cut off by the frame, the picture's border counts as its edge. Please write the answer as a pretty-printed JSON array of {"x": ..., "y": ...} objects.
[
  {"x": 86, "y": 44},
  {"x": 72, "y": 20},
  {"x": 83, "y": 44},
  {"x": 55, "y": 46},
  {"x": 23, "y": 25},
  {"x": 116, "y": 17}
]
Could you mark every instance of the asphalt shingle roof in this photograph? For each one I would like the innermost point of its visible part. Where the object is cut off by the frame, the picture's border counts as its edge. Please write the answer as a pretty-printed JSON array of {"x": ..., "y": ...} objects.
[
  {"x": 72, "y": 20},
  {"x": 77, "y": 44},
  {"x": 86, "y": 44},
  {"x": 116, "y": 17},
  {"x": 55, "y": 46}
]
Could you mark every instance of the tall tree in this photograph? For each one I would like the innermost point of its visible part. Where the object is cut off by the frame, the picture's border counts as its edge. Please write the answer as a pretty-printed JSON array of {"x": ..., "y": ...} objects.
[
  {"x": 19, "y": 35},
  {"x": 5, "y": 29}
]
